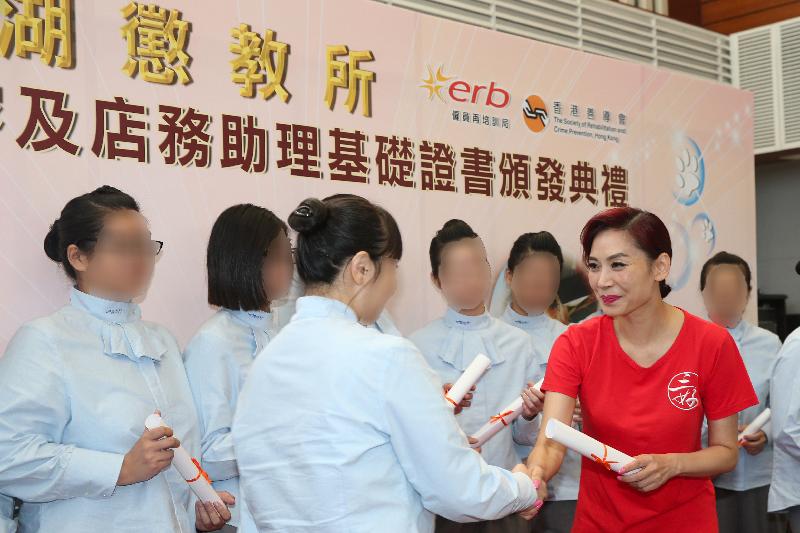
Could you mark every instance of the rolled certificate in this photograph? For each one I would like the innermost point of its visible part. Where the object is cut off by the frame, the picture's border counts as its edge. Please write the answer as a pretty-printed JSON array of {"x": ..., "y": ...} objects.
[
  {"x": 585, "y": 445},
  {"x": 500, "y": 420},
  {"x": 470, "y": 377},
  {"x": 756, "y": 425},
  {"x": 188, "y": 467}
]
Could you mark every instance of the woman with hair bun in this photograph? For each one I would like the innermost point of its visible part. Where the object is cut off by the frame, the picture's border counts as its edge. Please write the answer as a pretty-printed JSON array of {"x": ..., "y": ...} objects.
[
  {"x": 77, "y": 386},
  {"x": 342, "y": 428},
  {"x": 460, "y": 271},
  {"x": 647, "y": 374}
]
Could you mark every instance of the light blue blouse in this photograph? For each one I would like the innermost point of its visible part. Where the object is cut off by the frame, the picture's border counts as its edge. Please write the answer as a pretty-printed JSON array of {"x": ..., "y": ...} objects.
[
  {"x": 218, "y": 359},
  {"x": 784, "y": 491},
  {"x": 386, "y": 325},
  {"x": 544, "y": 330},
  {"x": 759, "y": 349},
  {"x": 451, "y": 343},
  {"x": 75, "y": 389},
  {"x": 341, "y": 428}
]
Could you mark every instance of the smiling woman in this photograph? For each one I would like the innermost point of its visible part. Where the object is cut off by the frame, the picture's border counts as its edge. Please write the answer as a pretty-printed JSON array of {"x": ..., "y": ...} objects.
[{"x": 666, "y": 370}]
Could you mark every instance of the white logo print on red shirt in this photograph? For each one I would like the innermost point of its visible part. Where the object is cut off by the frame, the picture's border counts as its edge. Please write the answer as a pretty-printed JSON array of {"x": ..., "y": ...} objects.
[{"x": 682, "y": 391}]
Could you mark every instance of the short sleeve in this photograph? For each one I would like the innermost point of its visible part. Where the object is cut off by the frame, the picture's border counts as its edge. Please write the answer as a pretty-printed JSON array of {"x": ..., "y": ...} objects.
[
  {"x": 728, "y": 389},
  {"x": 563, "y": 372}
]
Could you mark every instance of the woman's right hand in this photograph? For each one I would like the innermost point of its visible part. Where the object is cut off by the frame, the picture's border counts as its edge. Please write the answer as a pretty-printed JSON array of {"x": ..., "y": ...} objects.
[
  {"x": 541, "y": 490},
  {"x": 151, "y": 454},
  {"x": 466, "y": 402}
]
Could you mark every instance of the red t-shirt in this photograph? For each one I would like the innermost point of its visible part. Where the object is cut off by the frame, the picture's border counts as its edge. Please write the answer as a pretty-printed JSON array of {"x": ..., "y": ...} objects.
[{"x": 653, "y": 410}]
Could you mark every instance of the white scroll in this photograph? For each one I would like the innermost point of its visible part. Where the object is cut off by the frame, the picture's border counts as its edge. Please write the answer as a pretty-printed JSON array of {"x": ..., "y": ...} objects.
[
  {"x": 188, "y": 468},
  {"x": 756, "y": 425},
  {"x": 470, "y": 377},
  {"x": 585, "y": 445},
  {"x": 500, "y": 420}
]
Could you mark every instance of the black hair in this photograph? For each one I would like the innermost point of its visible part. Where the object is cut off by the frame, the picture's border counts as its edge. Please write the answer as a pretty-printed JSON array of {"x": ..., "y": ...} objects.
[
  {"x": 236, "y": 251},
  {"x": 452, "y": 231},
  {"x": 333, "y": 230},
  {"x": 725, "y": 258},
  {"x": 81, "y": 221},
  {"x": 541, "y": 241}
]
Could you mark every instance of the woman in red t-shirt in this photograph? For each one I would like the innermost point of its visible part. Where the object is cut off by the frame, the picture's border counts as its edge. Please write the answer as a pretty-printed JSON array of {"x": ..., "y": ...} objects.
[{"x": 646, "y": 374}]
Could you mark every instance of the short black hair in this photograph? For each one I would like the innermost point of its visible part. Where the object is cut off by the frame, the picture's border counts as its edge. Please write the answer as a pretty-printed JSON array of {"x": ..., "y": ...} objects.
[
  {"x": 452, "y": 231},
  {"x": 333, "y": 230},
  {"x": 725, "y": 258},
  {"x": 541, "y": 241},
  {"x": 236, "y": 251},
  {"x": 81, "y": 222}
]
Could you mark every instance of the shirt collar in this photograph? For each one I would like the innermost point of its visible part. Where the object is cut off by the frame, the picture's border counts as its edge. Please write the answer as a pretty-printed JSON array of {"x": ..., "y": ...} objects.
[
  {"x": 322, "y": 307},
  {"x": 260, "y": 325},
  {"x": 467, "y": 336},
  {"x": 454, "y": 319},
  {"x": 525, "y": 321},
  {"x": 106, "y": 310},
  {"x": 738, "y": 331},
  {"x": 120, "y": 326},
  {"x": 259, "y": 320}
]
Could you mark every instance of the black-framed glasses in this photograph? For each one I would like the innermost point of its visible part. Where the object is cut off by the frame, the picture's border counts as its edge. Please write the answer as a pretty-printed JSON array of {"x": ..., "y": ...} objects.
[{"x": 149, "y": 248}]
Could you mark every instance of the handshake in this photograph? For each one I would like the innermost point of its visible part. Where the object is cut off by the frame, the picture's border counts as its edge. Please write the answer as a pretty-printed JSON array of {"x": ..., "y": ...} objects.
[{"x": 541, "y": 490}]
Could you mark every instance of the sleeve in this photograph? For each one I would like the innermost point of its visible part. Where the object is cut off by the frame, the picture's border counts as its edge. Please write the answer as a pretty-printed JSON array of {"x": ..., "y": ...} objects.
[
  {"x": 451, "y": 478},
  {"x": 787, "y": 437},
  {"x": 212, "y": 379},
  {"x": 34, "y": 410},
  {"x": 728, "y": 388},
  {"x": 564, "y": 373},
  {"x": 524, "y": 432}
]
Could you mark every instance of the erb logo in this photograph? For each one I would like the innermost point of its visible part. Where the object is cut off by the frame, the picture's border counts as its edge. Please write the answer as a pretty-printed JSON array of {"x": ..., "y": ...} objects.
[
  {"x": 534, "y": 113},
  {"x": 463, "y": 91}
]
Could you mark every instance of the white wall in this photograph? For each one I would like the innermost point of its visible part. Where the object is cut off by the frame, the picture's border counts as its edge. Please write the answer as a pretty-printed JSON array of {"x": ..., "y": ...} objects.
[{"x": 778, "y": 230}]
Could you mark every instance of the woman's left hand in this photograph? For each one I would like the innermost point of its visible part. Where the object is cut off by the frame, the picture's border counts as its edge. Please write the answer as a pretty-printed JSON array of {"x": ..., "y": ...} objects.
[
  {"x": 656, "y": 469},
  {"x": 532, "y": 402},
  {"x": 213, "y": 516}
]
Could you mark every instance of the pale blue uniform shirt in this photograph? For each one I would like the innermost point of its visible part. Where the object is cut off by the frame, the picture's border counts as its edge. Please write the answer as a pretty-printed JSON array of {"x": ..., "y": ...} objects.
[
  {"x": 759, "y": 349},
  {"x": 7, "y": 524},
  {"x": 544, "y": 330},
  {"x": 784, "y": 491},
  {"x": 449, "y": 344},
  {"x": 218, "y": 359},
  {"x": 386, "y": 325},
  {"x": 75, "y": 389},
  {"x": 342, "y": 428}
]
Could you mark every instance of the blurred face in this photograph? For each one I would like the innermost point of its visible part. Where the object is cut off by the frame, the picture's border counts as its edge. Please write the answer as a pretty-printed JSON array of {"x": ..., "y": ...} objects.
[
  {"x": 374, "y": 287},
  {"x": 621, "y": 275},
  {"x": 278, "y": 267},
  {"x": 534, "y": 282},
  {"x": 726, "y": 294},
  {"x": 465, "y": 277},
  {"x": 121, "y": 264}
]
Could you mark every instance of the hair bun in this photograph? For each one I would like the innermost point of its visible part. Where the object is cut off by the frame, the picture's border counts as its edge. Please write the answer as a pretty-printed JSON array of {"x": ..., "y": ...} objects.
[
  {"x": 310, "y": 215},
  {"x": 51, "y": 242}
]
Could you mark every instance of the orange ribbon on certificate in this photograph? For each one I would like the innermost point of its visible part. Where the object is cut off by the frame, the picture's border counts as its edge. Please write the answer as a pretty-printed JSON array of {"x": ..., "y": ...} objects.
[
  {"x": 200, "y": 472},
  {"x": 446, "y": 397},
  {"x": 603, "y": 460},
  {"x": 501, "y": 417}
]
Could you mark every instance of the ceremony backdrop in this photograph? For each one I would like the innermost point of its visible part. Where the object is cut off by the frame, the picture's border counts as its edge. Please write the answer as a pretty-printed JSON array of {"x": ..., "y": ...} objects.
[{"x": 194, "y": 106}]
